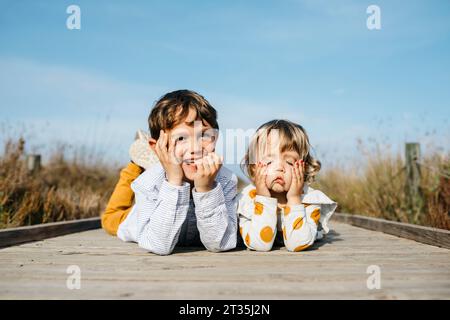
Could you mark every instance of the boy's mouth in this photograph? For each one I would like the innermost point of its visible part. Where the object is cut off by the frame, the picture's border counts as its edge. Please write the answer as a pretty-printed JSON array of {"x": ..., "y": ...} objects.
[{"x": 190, "y": 163}]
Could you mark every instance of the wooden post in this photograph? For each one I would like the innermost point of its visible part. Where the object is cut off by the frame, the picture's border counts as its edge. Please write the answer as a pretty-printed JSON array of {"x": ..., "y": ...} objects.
[
  {"x": 33, "y": 163},
  {"x": 415, "y": 202}
]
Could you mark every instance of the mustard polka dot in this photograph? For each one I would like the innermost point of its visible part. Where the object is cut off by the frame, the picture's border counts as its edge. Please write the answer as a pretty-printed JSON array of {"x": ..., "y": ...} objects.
[
  {"x": 259, "y": 208},
  {"x": 287, "y": 210},
  {"x": 297, "y": 223},
  {"x": 240, "y": 230},
  {"x": 315, "y": 215},
  {"x": 301, "y": 248},
  {"x": 247, "y": 239},
  {"x": 266, "y": 234},
  {"x": 252, "y": 193}
]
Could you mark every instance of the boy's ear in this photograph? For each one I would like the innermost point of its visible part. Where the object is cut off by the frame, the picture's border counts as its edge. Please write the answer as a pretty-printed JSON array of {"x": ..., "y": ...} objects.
[{"x": 152, "y": 143}]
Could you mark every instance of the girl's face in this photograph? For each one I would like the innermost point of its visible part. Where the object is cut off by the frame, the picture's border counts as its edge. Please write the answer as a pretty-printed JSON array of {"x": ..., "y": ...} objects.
[{"x": 279, "y": 170}]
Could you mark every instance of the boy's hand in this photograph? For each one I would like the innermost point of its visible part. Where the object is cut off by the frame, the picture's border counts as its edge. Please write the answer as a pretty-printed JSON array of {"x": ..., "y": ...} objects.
[
  {"x": 295, "y": 190},
  {"x": 165, "y": 150},
  {"x": 260, "y": 180},
  {"x": 207, "y": 169}
]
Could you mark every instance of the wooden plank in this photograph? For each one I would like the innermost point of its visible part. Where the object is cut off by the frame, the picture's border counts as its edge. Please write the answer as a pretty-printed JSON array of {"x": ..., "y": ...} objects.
[
  {"x": 427, "y": 235},
  {"x": 14, "y": 236},
  {"x": 334, "y": 268}
]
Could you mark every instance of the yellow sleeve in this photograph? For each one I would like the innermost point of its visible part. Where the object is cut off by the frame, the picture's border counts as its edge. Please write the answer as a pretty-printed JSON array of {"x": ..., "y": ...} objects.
[{"x": 121, "y": 200}]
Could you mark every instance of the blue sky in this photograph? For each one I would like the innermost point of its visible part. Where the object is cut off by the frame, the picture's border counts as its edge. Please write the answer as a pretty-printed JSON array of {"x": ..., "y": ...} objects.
[{"x": 313, "y": 62}]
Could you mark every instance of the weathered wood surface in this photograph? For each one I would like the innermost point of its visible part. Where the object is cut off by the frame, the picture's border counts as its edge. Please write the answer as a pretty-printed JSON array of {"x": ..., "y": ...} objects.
[
  {"x": 432, "y": 236},
  {"x": 13, "y": 236},
  {"x": 332, "y": 269}
]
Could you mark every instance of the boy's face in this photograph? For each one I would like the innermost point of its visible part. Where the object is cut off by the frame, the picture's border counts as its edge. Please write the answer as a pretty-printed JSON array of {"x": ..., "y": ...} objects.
[{"x": 194, "y": 139}]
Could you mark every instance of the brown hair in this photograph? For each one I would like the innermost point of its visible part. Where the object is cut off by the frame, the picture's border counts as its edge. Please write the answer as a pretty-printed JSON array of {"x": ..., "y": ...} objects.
[
  {"x": 172, "y": 108},
  {"x": 292, "y": 136}
]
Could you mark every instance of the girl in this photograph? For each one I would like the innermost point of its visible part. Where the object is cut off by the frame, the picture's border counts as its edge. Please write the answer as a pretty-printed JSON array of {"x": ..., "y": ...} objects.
[{"x": 280, "y": 166}]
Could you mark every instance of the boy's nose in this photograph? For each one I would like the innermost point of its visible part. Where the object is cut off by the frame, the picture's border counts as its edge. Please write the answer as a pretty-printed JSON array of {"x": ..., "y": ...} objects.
[{"x": 195, "y": 148}]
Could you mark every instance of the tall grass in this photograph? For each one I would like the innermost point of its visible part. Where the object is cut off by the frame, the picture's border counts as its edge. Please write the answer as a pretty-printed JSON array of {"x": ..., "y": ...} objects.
[
  {"x": 79, "y": 186},
  {"x": 64, "y": 189},
  {"x": 376, "y": 187}
]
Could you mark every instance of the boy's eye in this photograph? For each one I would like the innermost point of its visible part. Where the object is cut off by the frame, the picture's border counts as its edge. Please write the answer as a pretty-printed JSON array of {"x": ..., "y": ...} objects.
[
  {"x": 181, "y": 138},
  {"x": 208, "y": 137}
]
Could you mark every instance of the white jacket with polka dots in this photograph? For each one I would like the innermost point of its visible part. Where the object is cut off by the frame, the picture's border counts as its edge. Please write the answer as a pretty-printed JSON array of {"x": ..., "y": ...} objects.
[{"x": 260, "y": 218}]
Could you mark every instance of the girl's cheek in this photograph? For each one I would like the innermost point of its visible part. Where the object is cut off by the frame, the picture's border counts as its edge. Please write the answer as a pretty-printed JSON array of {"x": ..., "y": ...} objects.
[
  {"x": 288, "y": 176},
  {"x": 271, "y": 170},
  {"x": 268, "y": 180}
]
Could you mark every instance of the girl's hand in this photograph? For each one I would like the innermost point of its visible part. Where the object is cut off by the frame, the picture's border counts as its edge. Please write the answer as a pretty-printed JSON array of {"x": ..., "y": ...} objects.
[
  {"x": 260, "y": 179},
  {"x": 165, "y": 150},
  {"x": 207, "y": 169},
  {"x": 296, "y": 189}
]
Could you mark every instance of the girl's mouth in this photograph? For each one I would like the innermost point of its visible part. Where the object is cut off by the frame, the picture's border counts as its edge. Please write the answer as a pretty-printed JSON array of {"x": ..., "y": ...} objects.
[{"x": 279, "y": 181}]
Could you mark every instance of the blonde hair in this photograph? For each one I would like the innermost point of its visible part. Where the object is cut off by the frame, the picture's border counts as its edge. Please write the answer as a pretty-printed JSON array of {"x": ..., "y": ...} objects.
[{"x": 292, "y": 137}]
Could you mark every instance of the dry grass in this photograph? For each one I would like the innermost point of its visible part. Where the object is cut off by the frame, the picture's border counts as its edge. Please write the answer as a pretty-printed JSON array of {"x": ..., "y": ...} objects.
[
  {"x": 62, "y": 190},
  {"x": 79, "y": 188},
  {"x": 377, "y": 187}
]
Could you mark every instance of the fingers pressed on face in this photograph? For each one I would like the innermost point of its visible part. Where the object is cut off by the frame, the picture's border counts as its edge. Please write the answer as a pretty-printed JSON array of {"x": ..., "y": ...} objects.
[
  {"x": 264, "y": 170},
  {"x": 256, "y": 170},
  {"x": 302, "y": 169},
  {"x": 166, "y": 142},
  {"x": 200, "y": 167},
  {"x": 209, "y": 163},
  {"x": 162, "y": 141},
  {"x": 159, "y": 149},
  {"x": 259, "y": 168},
  {"x": 299, "y": 171},
  {"x": 215, "y": 161},
  {"x": 294, "y": 177},
  {"x": 170, "y": 149}
]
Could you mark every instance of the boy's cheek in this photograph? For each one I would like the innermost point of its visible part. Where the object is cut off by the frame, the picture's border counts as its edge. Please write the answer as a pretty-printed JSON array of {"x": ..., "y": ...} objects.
[
  {"x": 179, "y": 152},
  {"x": 210, "y": 147}
]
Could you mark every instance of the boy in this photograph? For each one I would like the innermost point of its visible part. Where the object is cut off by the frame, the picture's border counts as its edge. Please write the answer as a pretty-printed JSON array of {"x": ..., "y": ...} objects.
[{"x": 186, "y": 198}]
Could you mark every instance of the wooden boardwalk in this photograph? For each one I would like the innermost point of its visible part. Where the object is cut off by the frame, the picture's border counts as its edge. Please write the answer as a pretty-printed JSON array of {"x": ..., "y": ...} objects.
[{"x": 331, "y": 269}]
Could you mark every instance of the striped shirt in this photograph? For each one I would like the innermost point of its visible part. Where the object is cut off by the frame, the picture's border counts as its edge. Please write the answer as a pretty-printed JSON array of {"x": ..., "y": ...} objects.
[{"x": 166, "y": 215}]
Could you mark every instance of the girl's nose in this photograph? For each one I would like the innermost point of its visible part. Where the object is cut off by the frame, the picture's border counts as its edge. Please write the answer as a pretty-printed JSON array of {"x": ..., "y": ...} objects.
[{"x": 278, "y": 166}]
